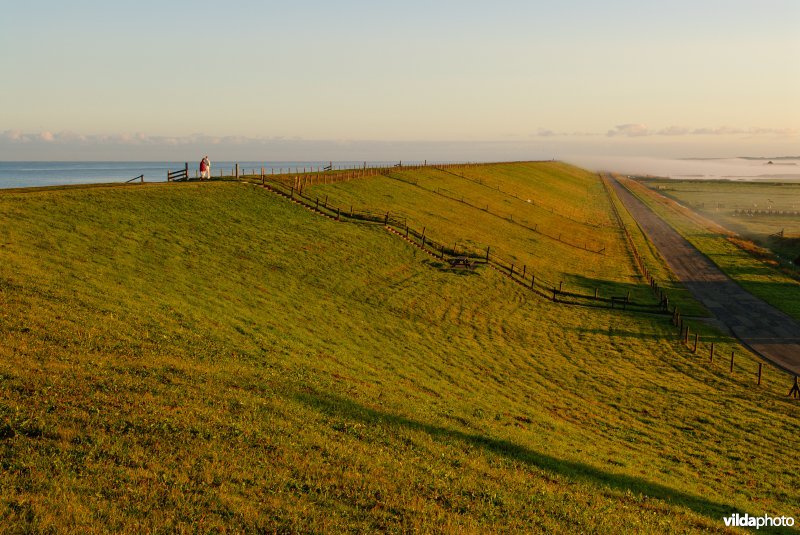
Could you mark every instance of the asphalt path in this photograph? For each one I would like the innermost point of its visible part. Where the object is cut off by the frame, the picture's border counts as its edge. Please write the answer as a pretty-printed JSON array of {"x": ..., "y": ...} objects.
[{"x": 763, "y": 328}]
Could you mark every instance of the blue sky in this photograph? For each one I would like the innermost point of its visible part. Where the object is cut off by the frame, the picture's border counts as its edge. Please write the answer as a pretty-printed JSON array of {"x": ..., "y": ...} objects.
[{"x": 130, "y": 80}]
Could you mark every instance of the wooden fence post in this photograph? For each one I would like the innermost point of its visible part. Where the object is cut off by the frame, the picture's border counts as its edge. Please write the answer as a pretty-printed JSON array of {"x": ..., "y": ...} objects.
[
  {"x": 795, "y": 391},
  {"x": 487, "y": 254},
  {"x": 732, "y": 353},
  {"x": 712, "y": 352},
  {"x": 696, "y": 337},
  {"x": 759, "y": 373}
]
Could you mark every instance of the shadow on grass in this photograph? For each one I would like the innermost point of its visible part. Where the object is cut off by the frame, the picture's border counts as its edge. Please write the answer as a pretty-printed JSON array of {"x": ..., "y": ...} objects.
[
  {"x": 447, "y": 268},
  {"x": 332, "y": 405},
  {"x": 616, "y": 332},
  {"x": 608, "y": 288}
]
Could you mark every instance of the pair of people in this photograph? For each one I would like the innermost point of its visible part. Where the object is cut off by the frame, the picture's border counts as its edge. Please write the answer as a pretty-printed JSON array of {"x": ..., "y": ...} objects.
[{"x": 205, "y": 168}]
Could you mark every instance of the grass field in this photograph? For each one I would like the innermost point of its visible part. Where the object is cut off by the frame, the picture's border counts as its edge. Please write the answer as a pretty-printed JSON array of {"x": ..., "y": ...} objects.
[
  {"x": 211, "y": 357},
  {"x": 754, "y": 270},
  {"x": 529, "y": 206},
  {"x": 720, "y": 200}
]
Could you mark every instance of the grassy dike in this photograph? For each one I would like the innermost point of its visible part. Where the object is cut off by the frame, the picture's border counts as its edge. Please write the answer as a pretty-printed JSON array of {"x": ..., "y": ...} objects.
[
  {"x": 553, "y": 198},
  {"x": 212, "y": 357}
]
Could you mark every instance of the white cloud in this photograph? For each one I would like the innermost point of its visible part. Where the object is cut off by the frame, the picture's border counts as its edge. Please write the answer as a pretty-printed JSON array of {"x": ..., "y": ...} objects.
[
  {"x": 773, "y": 131},
  {"x": 674, "y": 131},
  {"x": 720, "y": 131},
  {"x": 13, "y": 135},
  {"x": 545, "y": 132},
  {"x": 641, "y": 130},
  {"x": 629, "y": 130}
]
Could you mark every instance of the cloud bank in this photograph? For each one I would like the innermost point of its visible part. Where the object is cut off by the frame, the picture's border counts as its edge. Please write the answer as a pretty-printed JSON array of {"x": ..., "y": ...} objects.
[
  {"x": 641, "y": 130},
  {"x": 629, "y": 138}
]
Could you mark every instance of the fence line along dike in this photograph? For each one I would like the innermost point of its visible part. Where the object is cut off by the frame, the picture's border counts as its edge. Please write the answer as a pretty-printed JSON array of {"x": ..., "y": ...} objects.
[
  {"x": 485, "y": 208},
  {"x": 533, "y": 202},
  {"x": 292, "y": 185},
  {"x": 399, "y": 225}
]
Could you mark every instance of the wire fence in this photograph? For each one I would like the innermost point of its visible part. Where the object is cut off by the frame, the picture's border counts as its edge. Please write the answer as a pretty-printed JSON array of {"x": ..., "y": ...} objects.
[
  {"x": 684, "y": 328},
  {"x": 294, "y": 187},
  {"x": 514, "y": 195},
  {"x": 570, "y": 239},
  {"x": 451, "y": 252}
]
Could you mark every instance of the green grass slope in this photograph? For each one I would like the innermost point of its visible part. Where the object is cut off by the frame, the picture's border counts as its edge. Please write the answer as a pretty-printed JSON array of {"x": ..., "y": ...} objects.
[
  {"x": 211, "y": 357},
  {"x": 530, "y": 205}
]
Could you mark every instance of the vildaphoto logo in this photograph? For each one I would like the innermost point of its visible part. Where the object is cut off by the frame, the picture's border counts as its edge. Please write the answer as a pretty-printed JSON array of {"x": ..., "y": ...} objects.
[{"x": 746, "y": 521}]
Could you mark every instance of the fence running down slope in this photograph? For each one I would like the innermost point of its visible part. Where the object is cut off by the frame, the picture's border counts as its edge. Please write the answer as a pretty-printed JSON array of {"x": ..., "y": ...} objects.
[
  {"x": 293, "y": 187},
  {"x": 399, "y": 223}
]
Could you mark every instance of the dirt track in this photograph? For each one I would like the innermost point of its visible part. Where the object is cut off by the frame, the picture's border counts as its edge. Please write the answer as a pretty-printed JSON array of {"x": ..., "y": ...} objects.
[{"x": 766, "y": 330}]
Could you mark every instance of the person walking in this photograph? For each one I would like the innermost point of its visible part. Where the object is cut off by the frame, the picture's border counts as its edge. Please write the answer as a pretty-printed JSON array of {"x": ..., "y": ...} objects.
[{"x": 205, "y": 168}]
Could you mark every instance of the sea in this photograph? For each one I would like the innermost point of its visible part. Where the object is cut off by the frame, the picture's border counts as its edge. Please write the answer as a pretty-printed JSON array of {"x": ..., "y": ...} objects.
[{"x": 37, "y": 174}]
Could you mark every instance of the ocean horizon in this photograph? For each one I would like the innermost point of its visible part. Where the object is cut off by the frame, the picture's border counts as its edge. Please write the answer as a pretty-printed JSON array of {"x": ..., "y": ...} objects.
[{"x": 25, "y": 174}]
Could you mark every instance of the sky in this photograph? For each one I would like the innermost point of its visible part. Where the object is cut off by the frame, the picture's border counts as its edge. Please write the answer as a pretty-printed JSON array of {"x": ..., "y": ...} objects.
[{"x": 168, "y": 79}]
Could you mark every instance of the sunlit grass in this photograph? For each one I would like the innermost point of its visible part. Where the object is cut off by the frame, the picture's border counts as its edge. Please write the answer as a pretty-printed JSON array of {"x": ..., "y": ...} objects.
[
  {"x": 565, "y": 202},
  {"x": 212, "y": 357}
]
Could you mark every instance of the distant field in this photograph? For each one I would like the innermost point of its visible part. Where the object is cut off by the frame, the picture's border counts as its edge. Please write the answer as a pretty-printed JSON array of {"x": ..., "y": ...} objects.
[
  {"x": 756, "y": 272},
  {"x": 721, "y": 200},
  {"x": 212, "y": 357}
]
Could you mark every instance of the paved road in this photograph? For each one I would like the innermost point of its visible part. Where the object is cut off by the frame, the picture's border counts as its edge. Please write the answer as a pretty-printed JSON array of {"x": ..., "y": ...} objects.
[{"x": 766, "y": 330}]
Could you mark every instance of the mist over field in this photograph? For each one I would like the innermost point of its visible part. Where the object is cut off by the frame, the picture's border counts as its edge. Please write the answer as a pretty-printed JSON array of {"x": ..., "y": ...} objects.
[{"x": 745, "y": 168}]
